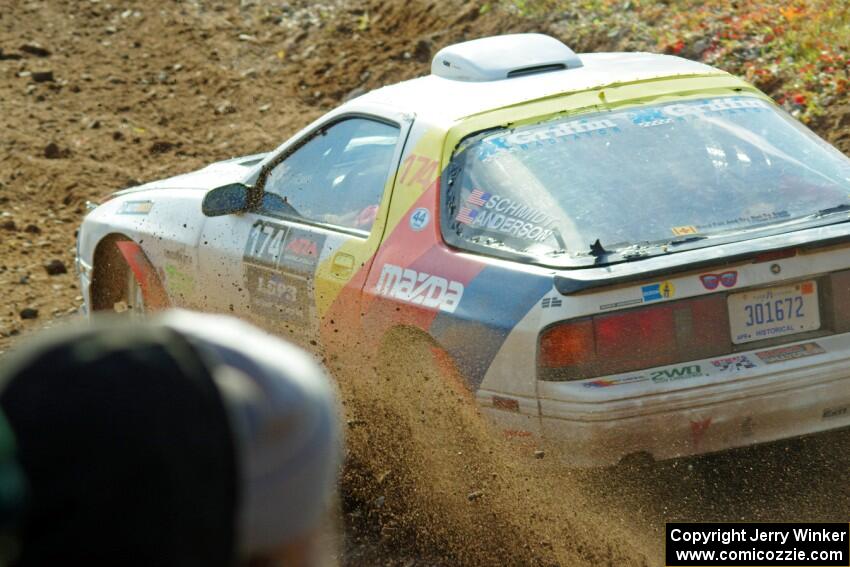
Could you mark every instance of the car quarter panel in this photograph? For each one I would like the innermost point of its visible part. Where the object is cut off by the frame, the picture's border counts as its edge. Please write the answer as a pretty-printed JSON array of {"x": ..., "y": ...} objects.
[{"x": 415, "y": 280}]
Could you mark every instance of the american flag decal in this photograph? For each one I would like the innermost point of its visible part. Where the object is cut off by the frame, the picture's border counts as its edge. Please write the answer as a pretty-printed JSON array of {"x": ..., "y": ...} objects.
[
  {"x": 478, "y": 198},
  {"x": 466, "y": 215}
]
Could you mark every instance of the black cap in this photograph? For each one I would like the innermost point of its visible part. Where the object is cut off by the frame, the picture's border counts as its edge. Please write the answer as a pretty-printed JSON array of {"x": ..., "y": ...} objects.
[{"x": 127, "y": 448}]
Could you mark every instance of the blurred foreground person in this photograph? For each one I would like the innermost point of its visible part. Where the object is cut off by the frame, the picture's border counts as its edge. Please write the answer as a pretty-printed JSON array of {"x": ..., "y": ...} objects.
[{"x": 189, "y": 440}]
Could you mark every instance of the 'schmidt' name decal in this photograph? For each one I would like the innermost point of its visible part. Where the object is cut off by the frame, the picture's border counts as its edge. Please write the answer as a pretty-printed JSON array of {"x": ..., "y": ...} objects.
[{"x": 419, "y": 288}]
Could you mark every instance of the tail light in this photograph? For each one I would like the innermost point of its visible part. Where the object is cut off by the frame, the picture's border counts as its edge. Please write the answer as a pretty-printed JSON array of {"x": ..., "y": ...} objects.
[
  {"x": 668, "y": 333},
  {"x": 635, "y": 339},
  {"x": 567, "y": 345}
]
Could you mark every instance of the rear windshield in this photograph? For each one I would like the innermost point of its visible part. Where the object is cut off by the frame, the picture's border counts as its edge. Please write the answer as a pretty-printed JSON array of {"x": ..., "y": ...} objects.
[{"x": 644, "y": 178}]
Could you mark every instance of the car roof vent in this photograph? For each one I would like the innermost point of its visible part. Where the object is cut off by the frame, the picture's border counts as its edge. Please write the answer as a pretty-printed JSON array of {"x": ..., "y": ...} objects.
[{"x": 503, "y": 57}]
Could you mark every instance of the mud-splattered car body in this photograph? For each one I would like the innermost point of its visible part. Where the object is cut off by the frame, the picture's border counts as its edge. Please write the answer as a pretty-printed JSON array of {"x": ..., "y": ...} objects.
[{"x": 603, "y": 352}]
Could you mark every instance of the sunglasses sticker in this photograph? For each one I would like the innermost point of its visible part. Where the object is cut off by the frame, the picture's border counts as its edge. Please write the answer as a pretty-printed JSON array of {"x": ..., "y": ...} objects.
[{"x": 725, "y": 279}]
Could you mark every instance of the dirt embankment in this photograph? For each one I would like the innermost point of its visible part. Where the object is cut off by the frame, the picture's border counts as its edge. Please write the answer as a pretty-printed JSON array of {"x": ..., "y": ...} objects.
[{"x": 96, "y": 96}]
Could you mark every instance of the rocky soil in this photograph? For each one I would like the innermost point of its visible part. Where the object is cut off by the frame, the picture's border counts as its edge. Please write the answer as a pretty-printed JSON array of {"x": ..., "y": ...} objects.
[{"x": 98, "y": 96}]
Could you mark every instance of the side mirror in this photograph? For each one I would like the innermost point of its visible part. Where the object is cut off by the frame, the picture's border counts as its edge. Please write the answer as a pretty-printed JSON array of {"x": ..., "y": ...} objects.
[{"x": 225, "y": 200}]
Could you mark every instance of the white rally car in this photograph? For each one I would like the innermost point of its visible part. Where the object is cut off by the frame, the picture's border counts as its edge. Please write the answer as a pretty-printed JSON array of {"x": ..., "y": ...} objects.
[{"x": 621, "y": 253}]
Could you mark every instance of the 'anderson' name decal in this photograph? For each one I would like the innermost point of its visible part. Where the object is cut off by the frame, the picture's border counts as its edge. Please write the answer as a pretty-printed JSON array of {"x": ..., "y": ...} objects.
[{"x": 506, "y": 215}]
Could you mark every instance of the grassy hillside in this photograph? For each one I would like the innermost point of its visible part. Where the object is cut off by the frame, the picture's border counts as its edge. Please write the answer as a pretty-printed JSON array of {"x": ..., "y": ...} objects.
[{"x": 796, "y": 50}]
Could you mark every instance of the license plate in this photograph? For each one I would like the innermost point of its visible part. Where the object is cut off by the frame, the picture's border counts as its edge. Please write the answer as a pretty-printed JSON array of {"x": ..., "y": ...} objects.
[{"x": 774, "y": 312}]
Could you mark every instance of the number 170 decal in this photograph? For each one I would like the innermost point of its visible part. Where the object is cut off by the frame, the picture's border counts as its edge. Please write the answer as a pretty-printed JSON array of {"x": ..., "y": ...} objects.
[{"x": 420, "y": 170}]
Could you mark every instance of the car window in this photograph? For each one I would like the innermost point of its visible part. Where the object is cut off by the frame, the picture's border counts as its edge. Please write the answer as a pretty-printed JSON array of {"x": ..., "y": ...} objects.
[
  {"x": 641, "y": 177},
  {"x": 337, "y": 177}
]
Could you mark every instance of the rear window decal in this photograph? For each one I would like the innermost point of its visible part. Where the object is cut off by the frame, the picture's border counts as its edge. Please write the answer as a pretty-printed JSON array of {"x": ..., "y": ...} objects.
[
  {"x": 501, "y": 214},
  {"x": 683, "y": 230},
  {"x": 527, "y": 139},
  {"x": 658, "y": 116},
  {"x": 751, "y": 219}
]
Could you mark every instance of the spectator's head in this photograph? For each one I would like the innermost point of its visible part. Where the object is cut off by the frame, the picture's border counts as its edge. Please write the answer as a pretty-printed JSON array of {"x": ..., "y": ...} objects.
[{"x": 189, "y": 440}]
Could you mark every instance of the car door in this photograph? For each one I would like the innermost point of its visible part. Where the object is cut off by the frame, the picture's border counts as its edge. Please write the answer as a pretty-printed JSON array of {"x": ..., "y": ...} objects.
[{"x": 320, "y": 220}]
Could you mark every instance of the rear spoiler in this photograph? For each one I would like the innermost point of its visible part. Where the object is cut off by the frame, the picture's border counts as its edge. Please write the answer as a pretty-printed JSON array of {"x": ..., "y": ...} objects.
[{"x": 759, "y": 250}]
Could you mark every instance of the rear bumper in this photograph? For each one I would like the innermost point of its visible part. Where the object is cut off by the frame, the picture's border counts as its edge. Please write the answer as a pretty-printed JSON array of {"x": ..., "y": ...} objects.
[{"x": 711, "y": 413}]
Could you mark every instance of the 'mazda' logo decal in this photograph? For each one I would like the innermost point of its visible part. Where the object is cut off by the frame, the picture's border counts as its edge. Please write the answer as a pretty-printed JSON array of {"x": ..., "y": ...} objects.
[{"x": 419, "y": 288}]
